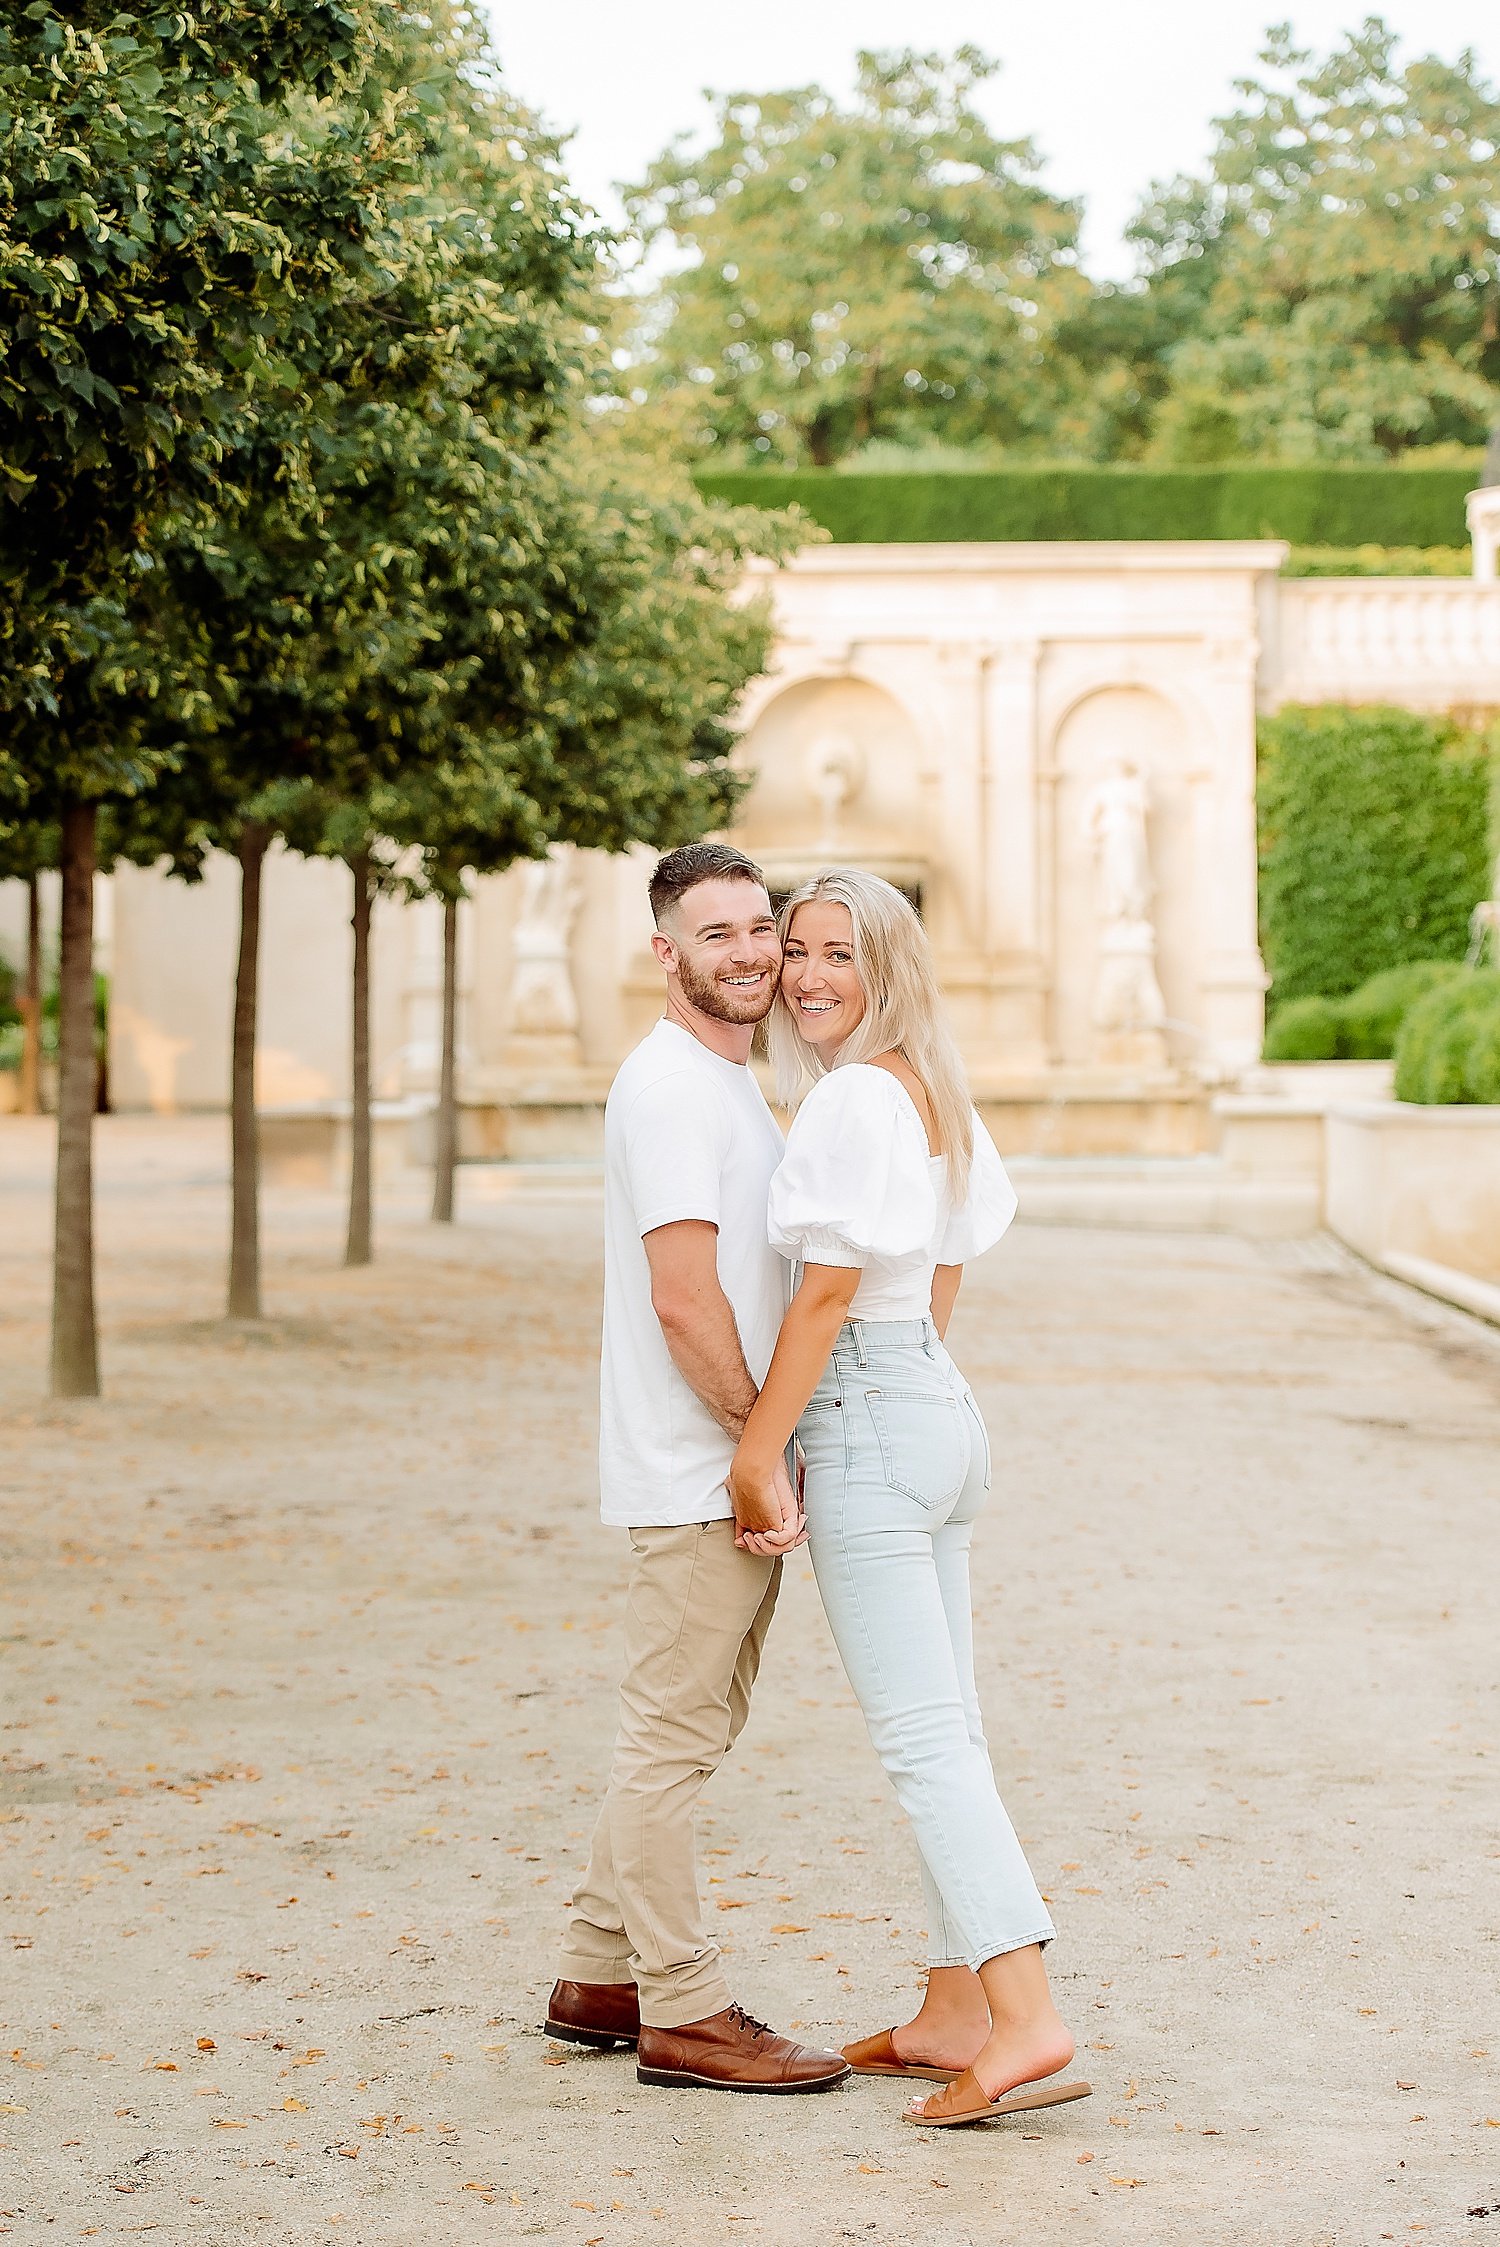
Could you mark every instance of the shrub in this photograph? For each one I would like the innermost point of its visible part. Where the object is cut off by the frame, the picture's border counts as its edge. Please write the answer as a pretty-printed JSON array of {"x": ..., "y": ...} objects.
[
  {"x": 1371, "y": 1017},
  {"x": 1449, "y": 1047},
  {"x": 1308, "y": 1029},
  {"x": 1379, "y": 561},
  {"x": 1311, "y": 506},
  {"x": 1373, "y": 849}
]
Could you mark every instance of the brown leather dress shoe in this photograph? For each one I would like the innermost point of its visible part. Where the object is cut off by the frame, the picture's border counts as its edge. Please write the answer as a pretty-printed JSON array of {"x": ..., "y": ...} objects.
[
  {"x": 603, "y": 2014},
  {"x": 731, "y": 2051}
]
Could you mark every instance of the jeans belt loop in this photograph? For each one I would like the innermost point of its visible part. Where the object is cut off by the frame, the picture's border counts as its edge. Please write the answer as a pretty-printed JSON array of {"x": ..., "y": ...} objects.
[{"x": 859, "y": 1343}]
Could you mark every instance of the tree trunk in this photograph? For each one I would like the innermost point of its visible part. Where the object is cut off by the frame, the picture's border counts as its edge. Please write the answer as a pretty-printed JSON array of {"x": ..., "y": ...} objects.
[
  {"x": 75, "y": 1357},
  {"x": 358, "y": 1250},
  {"x": 446, "y": 1156},
  {"x": 30, "y": 1086},
  {"x": 244, "y": 1132}
]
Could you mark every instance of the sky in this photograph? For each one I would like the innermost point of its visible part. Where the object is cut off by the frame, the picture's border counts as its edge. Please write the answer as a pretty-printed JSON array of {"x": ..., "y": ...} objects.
[{"x": 1114, "y": 94}]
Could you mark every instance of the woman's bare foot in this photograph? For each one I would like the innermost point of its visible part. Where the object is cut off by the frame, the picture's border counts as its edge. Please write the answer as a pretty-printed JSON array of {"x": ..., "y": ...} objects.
[
  {"x": 952, "y": 2024},
  {"x": 1027, "y": 2040},
  {"x": 1021, "y": 2052}
]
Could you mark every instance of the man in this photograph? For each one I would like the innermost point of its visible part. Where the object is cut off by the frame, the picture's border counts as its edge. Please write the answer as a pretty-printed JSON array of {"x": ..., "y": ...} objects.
[{"x": 693, "y": 1300}]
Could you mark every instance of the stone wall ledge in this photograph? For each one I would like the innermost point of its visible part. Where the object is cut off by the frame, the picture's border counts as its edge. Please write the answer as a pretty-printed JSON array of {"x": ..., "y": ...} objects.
[{"x": 1458, "y": 1288}]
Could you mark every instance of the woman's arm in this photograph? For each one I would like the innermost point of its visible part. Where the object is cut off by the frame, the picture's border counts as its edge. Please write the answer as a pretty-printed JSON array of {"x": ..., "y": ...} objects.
[
  {"x": 808, "y": 1333},
  {"x": 946, "y": 1282}
]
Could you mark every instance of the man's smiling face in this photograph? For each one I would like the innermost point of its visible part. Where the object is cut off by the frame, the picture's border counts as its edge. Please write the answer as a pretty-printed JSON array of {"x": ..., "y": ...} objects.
[{"x": 720, "y": 941}]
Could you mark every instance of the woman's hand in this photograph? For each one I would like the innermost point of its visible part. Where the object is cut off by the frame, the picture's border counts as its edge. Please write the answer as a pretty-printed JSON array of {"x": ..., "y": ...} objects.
[
  {"x": 765, "y": 1505},
  {"x": 768, "y": 1518}
]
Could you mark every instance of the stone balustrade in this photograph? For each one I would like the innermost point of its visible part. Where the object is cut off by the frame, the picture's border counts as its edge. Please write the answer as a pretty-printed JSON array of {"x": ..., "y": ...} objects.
[{"x": 1422, "y": 642}]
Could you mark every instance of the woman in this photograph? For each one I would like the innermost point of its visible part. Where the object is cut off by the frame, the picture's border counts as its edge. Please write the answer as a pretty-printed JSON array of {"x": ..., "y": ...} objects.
[{"x": 889, "y": 1184}]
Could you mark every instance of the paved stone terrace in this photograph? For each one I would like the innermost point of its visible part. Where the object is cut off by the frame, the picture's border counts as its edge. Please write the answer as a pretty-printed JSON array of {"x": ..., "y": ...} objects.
[{"x": 309, "y": 1645}]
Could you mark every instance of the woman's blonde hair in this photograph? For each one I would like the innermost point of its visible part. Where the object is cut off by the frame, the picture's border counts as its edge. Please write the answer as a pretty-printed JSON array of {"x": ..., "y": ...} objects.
[{"x": 904, "y": 1010}]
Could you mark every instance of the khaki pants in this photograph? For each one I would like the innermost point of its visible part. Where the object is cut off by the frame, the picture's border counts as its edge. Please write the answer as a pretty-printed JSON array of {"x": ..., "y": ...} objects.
[{"x": 697, "y": 1613}]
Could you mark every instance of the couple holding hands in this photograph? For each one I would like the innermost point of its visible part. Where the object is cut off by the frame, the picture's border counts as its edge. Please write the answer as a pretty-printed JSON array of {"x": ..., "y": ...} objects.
[{"x": 735, "y": 1424}]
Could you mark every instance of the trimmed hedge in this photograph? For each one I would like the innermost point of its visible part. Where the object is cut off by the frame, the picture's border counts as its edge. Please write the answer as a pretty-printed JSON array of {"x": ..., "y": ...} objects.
[
  {"x": 1362, "y": 1027},
  {"x": 1379, "y": 561},
  {"x": 1449, "y": 1047},
  {"x": 1308, "y": 1029},
  {"x": 1371, "y": 1017},
  {"x": 1373, "y": 843},
  {"x": 1312, "y": 506}
]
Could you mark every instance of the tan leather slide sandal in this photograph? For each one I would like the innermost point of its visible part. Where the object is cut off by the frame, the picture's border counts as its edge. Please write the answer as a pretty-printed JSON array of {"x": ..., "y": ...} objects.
[
  {"x": 877, "y": 2055},
  {"x": 964, "y": 2101}
]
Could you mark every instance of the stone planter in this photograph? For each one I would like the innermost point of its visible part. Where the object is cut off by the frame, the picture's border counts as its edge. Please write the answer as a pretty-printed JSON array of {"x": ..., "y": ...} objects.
[
  {"x": 1320, "y": 1084},
  {"x": 1403, "y": 1182}
]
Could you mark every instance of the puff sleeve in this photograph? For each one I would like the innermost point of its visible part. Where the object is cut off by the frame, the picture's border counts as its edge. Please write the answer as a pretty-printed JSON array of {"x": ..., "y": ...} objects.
[
  {"x": 856, "y": 1181},
  {"x": 986, "y": 1209}
]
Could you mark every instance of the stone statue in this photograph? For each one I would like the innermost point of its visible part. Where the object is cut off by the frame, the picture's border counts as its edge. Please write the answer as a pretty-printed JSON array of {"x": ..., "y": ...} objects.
[
  {"x": 835, "y": 771},
  {"x": 1128, "y": 1006},
  {"x": 1115, "y": 822},
  {"x": 542, "y": 999},
  {"x": 1484, "y": 926}
]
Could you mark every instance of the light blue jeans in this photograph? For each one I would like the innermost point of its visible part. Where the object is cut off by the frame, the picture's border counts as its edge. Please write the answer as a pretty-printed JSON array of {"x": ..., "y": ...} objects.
[{"x": 898, "y": 1466}]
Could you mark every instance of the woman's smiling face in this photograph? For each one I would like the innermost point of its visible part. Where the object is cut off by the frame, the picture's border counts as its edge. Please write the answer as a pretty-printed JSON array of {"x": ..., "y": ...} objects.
[{"x": 820, "y": 985}]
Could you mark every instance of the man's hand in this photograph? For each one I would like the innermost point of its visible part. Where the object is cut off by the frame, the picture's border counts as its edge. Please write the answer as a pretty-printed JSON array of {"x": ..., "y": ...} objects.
[{"x": 768, "y": 1518}]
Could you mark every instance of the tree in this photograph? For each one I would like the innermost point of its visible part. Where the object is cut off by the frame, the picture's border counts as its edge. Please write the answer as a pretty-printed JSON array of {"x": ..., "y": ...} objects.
[
  {"x": 181, "y": 194},
  {"x": 1332, "y": 288},
  {"x": 887, "y": 270},
  {"x": 632, "y": 742},
  {"x": 316, "y": 598}
]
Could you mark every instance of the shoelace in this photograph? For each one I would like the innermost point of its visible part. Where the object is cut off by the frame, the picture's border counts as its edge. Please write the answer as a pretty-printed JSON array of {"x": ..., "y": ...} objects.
[{"x": 744, "y": 2020}]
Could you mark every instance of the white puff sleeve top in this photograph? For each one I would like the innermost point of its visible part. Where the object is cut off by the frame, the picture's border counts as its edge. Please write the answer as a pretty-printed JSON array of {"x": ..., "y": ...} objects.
[{"x": 857, "y": 1187}]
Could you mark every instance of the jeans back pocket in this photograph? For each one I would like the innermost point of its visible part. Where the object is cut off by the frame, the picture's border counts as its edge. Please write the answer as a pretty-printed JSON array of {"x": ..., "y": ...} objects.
[{"x": 924, "y": 1446}]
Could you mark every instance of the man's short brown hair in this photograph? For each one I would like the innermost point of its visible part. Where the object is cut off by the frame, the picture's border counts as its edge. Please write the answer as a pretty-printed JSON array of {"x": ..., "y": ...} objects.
[{"x": 682, "y": 870}]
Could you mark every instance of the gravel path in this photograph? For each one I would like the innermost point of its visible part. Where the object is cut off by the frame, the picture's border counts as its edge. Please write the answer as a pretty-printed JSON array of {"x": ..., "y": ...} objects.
[{"x": 310, "y": 1638}]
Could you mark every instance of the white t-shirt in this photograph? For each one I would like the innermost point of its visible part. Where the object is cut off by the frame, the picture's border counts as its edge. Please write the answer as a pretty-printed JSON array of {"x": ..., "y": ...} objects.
[
  {"x": 686, "y": 1135},
  {"x": 857, "y": 1187}
]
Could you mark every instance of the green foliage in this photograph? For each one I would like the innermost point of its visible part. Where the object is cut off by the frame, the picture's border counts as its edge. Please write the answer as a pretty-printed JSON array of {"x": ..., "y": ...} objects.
[
  {"x": 879, "y": 270},
  {"x": 1327, "y": 289},
  {"x": 1333, "y": 284},
  {"x": 1364, "y": 1026},
  {"x": 1319, "y": 506},
  {"x": 1371, "y": 1017},
  {"x": 1307, "y": 1029},
  {"x": 187, "y": 198},
  {"x": 1378, "y": 561},
  {"x": 1373, "y": 845},
  {"x": 1449, "y": 1047}
]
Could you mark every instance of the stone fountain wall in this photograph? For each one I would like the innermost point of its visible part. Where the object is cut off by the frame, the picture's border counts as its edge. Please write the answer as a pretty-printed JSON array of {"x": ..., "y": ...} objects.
[{"x": 1051, "y": 746}]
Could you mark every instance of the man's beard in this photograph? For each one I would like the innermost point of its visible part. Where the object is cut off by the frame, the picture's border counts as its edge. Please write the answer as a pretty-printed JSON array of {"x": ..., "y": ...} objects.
[{"x": 709, "y": 996}]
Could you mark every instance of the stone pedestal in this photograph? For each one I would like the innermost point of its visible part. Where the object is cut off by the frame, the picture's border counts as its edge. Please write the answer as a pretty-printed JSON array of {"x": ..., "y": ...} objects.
[
  {"x": 1132, "y": 1050},
  {"x": 547, "y": 1053}
]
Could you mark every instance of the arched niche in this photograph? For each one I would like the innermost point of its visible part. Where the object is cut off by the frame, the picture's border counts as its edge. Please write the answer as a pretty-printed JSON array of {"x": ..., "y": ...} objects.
[
  {"x": 1142, "y": 727},
  {"x": 837, "y": 777}
]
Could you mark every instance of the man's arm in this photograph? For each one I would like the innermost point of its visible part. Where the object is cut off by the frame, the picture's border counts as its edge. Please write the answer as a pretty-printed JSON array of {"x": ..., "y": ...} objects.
[
  {"x": 698, "y": 1323},
  {"x": 696, "y": 1317}
]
